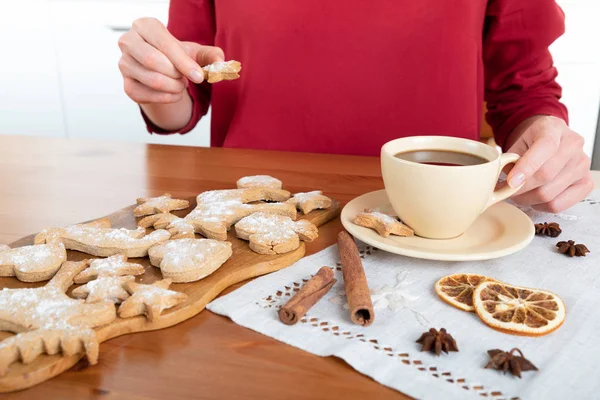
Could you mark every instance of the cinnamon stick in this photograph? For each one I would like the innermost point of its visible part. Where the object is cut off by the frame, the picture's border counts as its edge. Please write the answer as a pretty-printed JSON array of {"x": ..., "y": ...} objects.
[
  {"x": 307, "y": 296},
  {"x": 355, "y": 281}
]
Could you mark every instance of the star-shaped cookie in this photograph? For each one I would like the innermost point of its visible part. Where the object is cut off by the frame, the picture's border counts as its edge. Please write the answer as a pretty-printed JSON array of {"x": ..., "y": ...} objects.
[
  {"x": 149, "y": 300},
  {"x": 189, "y": 260},
  {"x": 384, "y": 224},
  {"x": 306, "y": 202},
  {"x": 110, "y": 289},
  {"x": 158, "y": 221},
  {"x": 32, "y": 263},
  {"x": 274, "y": 234},
  {"x": 259, "y": 181},
  {"x": 179, "y": 228},
  {"x": 161, "y": 204},
  {"x": 222, "y": 71},
  {"x": 116, "y": 265}
]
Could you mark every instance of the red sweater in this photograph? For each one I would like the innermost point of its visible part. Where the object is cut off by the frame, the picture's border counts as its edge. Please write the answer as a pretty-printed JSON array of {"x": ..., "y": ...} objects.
[{"x": 346, "y": 76}]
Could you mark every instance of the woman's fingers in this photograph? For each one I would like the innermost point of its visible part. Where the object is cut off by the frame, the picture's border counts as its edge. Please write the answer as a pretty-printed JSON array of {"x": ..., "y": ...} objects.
[
  {"x": 143, "y": 94},
  {"x": 133, "y": 44},
  {"x": 546, "y": 192},
  {"x": 203, "y": 55},
  {"x": 569, "y": 197},
  {"x": 131, "y": 68},
  {"x": 156, "y": 35},
  {"x": 533, "y": 159}
]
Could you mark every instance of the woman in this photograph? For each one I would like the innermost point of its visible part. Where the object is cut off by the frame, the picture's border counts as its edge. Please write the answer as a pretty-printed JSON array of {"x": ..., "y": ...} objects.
[{"x": 347, "y": 76}]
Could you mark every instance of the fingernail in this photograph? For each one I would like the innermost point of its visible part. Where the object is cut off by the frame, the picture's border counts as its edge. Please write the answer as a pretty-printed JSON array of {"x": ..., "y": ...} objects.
[
  {"x": 516, "y": 180},
  {"x": 196, "y": 76}
]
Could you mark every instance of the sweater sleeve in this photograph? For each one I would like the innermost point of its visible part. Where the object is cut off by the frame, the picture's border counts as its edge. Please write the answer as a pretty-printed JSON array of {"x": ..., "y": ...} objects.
[
  {"x": 191, "y": 21},
  {"x": 519, "y": 71}
]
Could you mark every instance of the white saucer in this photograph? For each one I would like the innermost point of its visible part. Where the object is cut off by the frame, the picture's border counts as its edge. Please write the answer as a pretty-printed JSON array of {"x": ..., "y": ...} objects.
[{"x": 501, "y": 230}]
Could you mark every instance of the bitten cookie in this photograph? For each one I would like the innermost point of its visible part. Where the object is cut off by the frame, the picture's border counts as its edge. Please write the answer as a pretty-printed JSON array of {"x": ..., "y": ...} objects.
[
  {"x": 264, "y": 181},
  {"x": 116, "y": 265},
  {"x": 309, "y": 201},
  {"x": 99, "y": 239},
  {"x": 161, "y": 204},
  {"x": 274, "y": 234},
  {"x": 46, "y": 320},
  {"x": 32, "y": 263},
  {"x": 217, "y": 210},
  {"x": 149, "y": 300},
  {"x": 189, "y": 260},
  {"x": 110, "y": 289},
  {"x": 384, "y": 224},
  {"x": 222, "y": 71}
]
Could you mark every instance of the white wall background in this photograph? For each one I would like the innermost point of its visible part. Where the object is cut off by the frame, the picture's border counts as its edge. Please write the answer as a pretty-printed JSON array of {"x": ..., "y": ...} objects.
[{"x": 59, "y": 75}]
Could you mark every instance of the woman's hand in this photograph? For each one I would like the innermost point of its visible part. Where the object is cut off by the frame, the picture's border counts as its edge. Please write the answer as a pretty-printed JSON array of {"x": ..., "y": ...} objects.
[
  {"x": 156, "y": 66},
  {"x": 553, "y": 165}
]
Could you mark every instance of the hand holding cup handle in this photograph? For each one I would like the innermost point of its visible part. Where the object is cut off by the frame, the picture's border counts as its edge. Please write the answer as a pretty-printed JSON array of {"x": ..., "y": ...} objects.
[{"x": 506, "y": 191}]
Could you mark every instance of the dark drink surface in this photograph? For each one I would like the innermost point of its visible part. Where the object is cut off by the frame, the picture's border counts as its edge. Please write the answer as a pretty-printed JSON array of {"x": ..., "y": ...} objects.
[{"x": 441, "y": 157}]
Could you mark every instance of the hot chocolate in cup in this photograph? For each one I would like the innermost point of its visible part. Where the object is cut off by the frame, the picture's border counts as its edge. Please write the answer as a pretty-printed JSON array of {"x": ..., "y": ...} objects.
[{"x": 439, "y": 185}]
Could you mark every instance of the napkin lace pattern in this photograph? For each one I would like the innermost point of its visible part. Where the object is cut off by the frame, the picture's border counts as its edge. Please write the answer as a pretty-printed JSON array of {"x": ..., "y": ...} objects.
[{"x": 381, "y": 299}]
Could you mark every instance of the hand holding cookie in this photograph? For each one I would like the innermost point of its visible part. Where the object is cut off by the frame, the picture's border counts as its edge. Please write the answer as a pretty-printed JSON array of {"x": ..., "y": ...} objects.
[{"x": 156, "y": 66}]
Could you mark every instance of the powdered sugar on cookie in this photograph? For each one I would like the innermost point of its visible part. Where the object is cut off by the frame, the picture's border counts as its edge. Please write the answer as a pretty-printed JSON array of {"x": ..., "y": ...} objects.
[
  {"x": 274, "y": 234},
  {"x": 32, "y": 263},
  {"x": 309, "y": 201},
  {"x": 149, "y": 300},
  {"x": 110, "y": 289},
  {"x": 217, "y": 210},
  {"x": 222, "y": 70},
  {"x": 265, "y": 181},
  {"x": 157, "y": 205},
  {"x": 188, "y": 260},
  {"x": 384, "y": 224},
  {"x": 98, "y": 239},
  {"x": 116, "y": 265},
  {"x": 46, "y": 320}
]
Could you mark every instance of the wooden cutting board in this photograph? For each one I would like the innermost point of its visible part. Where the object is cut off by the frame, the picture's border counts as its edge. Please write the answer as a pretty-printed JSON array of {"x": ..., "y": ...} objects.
[{"x": 244, "y": 264}]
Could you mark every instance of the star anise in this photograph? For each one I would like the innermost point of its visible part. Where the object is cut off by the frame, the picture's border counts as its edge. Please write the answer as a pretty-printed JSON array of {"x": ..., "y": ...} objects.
[
  {"x": 571, "y": 249},
  {"x": 551, "y": 229},
  {"x": 437, "y": 342},
  {"x": 505, "y": 361}
]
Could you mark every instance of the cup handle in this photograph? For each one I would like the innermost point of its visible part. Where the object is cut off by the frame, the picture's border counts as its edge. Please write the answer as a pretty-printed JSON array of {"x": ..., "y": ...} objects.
[{"x": 506, "y": 191}]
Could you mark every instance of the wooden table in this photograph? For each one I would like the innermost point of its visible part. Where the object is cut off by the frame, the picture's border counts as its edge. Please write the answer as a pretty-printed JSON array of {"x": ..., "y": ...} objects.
[{"x": 55, "y": 182}]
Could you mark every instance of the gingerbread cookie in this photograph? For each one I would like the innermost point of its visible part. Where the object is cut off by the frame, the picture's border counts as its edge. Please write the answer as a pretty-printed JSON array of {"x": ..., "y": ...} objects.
[
  {"x": 158, "y": 221},
  {"x": 264, "y": 181},
  {"x": 116, "y": 265},
  {"x": 149, "y": 300},
  {"x": 32, "y": 263},
  {"x": 111, "y": 289},
  {"x": 382, "y": 223},
  {"x": 189, "y": 260},
  {"x": 217, "y": 210},
  {"x": 222, "y": 71},
  {"x": 306, "y": 202},
  {"x": 157, "y": 205},
  {"x": 274, "y": 234},
  {"x": 46, "y": 320},
  {"x": 177, "y": 227},
  {"x": 99, "y": 239}
]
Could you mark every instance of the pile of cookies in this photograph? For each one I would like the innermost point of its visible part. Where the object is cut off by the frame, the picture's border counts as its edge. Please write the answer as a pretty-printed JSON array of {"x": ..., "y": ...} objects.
[{"x": 46, "y": 320}]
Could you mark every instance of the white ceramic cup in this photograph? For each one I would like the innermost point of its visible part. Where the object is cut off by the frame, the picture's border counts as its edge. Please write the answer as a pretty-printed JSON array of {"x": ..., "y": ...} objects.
[{"x": 441, "y": 202}]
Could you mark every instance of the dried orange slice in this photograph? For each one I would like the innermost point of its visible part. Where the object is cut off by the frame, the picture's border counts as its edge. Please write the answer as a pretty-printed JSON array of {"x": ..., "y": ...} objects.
[
  {"x": 518, "y": 310},
  {"x": 457, "y": 289}
]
